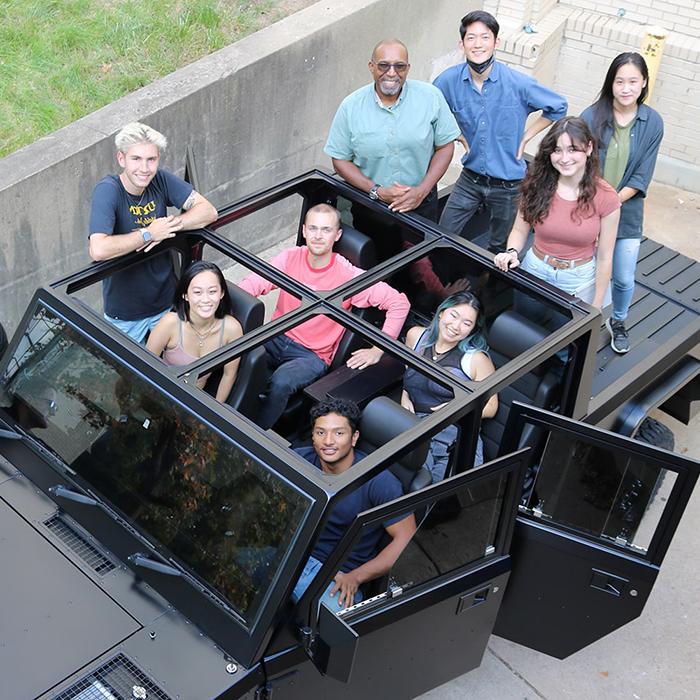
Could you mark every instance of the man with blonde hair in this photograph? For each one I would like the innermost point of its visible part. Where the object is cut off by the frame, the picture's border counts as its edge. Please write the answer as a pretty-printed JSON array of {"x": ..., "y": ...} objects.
[
  {"x": 305, "y": 352},
  {"x": 129, "y": 213}
]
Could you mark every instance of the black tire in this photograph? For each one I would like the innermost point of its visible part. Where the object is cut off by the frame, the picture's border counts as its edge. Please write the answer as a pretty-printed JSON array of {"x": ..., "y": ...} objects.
[{"x": 655, "y": 433}]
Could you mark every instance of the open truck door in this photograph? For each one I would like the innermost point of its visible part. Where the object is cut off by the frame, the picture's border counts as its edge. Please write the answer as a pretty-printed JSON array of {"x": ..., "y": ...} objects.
[
  {"x": 597, "y": 516},
  {"x": 430, "y": 619}
]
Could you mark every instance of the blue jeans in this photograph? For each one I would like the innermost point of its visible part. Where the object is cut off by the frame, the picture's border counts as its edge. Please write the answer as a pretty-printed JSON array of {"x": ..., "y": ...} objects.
[
  {"x": 469, "y": 194},
  {"x": 311, "y": 568},
  {"x": 439, "y": 451},
  {"x": 624, "y": 266},
  {"x": 136, "y": 329},
  {"x": 294, "y": 368}
]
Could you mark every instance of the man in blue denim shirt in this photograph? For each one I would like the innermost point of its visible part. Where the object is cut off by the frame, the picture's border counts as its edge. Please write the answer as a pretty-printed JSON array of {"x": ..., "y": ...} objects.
[{"x": 491, "y": 103}]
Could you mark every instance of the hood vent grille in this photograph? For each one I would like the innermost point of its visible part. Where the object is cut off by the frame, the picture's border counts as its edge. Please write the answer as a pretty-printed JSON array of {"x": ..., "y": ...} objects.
[
  {"x": 79, "y": 544},
  {"x": 118, "y": 679}
]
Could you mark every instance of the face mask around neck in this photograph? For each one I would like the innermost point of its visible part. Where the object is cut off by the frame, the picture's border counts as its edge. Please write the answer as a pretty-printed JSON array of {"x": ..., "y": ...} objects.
[{"x": 480, "y": 67}]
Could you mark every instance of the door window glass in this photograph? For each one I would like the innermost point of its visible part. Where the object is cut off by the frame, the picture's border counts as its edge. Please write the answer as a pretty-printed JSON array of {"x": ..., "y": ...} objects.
[
  {"x": 459, "y": 529},
  {"x": 599, "y": 491}
]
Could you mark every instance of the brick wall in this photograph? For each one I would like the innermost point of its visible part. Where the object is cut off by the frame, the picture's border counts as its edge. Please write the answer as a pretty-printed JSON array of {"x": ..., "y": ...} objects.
[
  {"x": 591, "y": 40},
  {"x": 675, "y": 15},
  {"x": 575, "y": 42}
]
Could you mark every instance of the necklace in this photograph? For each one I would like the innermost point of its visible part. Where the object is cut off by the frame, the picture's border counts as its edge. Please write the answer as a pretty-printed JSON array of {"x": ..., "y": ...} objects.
[
  {"x": 143, "y": 194},
  {"x": 437, "y": 355},
  {"x": 203, "y": 336}
]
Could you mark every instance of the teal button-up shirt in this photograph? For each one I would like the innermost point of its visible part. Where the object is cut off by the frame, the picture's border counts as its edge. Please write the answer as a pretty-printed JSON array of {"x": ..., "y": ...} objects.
[{"x": 396, "y": 143}]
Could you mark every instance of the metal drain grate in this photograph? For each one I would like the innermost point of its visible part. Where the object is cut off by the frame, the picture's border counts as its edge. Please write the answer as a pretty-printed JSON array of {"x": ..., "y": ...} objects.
[
  {"x": 72, "y": 538},
  {"x": 118, "y": 679}
]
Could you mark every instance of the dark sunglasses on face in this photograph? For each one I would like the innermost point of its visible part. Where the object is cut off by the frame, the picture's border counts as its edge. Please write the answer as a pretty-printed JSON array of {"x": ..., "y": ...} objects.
[{"x": 385, "y": 66}]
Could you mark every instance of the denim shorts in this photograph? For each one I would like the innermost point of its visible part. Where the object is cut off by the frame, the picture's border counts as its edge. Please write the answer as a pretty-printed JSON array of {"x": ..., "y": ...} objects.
[{"x": 579, "y": 280}]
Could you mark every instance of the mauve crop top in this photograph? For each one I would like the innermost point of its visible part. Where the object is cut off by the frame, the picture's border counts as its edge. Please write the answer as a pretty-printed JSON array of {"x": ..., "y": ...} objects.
[{"x": 178, "y": 356}]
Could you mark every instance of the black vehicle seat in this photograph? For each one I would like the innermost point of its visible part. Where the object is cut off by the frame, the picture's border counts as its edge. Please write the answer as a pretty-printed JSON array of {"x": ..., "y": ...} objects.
[
  {"x": 360, "y": 251},
  {"x": 252, "y": 369},
  {"x": 384, "y": 419},
  {"x": 510, "y": 335}
]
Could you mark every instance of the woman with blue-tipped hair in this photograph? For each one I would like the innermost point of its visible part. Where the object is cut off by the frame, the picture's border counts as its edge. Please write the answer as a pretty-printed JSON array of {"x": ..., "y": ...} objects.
[{"x": 455, "y": 340}]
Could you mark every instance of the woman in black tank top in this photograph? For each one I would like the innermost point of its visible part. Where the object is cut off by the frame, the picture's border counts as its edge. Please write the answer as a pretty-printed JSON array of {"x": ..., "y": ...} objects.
[{"x": 455, "y": 340}]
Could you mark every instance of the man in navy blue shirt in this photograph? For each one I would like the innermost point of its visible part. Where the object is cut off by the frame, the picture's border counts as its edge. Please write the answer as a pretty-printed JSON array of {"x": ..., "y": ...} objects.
[
  {"x": 491, "y": 103},
  {"x": 334, "y": 434},
  {"x": 129, "y": 213}
]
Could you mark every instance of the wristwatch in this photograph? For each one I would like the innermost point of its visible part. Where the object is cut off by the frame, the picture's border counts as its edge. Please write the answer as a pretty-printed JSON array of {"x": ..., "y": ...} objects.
[
  {"x": 513, "y": 250},
  {"x": 147, "y": 238},
  {"x": 374, "y": 192}
]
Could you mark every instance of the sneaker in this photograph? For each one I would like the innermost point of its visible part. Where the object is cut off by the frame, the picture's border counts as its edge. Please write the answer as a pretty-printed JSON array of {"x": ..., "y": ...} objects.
[{"x": 619, "y": 337}]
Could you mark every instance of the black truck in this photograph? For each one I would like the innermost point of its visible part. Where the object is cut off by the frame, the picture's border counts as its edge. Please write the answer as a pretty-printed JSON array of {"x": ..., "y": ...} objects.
[{"x": 151, "y": 536}]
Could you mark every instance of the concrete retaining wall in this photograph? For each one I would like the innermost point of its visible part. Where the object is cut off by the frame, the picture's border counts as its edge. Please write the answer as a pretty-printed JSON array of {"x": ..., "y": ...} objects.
[{"x": 256, "y": 113}]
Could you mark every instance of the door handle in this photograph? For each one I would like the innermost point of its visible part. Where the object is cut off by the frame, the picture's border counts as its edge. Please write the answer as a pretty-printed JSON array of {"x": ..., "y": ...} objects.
[{"x": 608, "y": 583}]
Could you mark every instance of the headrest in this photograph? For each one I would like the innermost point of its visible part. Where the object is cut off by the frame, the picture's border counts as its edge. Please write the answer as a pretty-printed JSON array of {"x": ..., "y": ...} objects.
[
  {"x": 384, "y": 419},
  {"x": 512, "y": 334},
  {"x": 249, "y": 311},
  {"x": 357, "y": 248}
]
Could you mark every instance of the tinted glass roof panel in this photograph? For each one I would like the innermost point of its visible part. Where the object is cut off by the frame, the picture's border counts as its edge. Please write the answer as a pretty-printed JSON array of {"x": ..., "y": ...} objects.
[{"x": 223, "y": 514}]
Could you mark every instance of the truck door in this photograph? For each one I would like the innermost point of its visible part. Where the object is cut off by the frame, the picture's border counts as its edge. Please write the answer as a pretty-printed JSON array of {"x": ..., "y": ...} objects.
[
  {"x": 430, "y": 619},
  {"x": 595, "y": 521}
]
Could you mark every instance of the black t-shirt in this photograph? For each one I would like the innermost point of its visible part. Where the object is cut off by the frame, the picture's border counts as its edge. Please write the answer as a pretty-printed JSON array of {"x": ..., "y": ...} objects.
[
  {"x": 146, "y": 288},
  {"x": 380, "y": 489}
]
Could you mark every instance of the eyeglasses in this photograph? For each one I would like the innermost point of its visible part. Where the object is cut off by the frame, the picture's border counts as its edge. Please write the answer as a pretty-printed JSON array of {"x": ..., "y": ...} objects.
[{"x": 385, "y": 66}]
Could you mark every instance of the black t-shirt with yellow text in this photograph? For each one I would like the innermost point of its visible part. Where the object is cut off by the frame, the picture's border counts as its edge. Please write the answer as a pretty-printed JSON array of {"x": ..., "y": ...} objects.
[{"x": 146, "y": 288}]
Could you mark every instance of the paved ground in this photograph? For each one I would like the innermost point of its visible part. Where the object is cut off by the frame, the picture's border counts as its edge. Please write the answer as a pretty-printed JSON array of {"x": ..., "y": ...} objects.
[{"x": 656, "y": 656}]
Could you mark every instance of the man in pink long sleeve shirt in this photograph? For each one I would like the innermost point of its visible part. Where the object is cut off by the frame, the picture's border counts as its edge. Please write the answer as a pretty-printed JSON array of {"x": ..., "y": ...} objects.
[{"x": 304, "y": 353}]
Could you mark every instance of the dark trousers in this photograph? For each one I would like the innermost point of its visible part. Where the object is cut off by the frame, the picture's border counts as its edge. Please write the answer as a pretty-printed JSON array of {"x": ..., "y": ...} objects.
[{"x": 500, "y": 197}]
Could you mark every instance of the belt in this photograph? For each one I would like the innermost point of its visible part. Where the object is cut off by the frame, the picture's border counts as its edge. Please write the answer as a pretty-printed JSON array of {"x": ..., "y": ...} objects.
[
  {"x": 489, "y": 181},
  {"x": 559, "y": 263}
]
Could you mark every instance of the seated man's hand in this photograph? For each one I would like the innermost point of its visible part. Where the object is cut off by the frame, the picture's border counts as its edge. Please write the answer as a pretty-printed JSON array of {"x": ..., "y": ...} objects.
[
  {"x": 364, "y": 357},
  {"x": 460, "y": 285},
  {"x": 346, "y": 586}
]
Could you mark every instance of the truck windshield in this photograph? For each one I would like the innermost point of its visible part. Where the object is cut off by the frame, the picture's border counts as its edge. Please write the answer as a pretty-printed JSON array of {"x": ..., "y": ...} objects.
[{"x": 217, "y": 511}]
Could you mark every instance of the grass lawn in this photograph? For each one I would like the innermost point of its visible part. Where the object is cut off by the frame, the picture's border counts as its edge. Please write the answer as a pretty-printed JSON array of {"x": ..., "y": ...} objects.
[{"x": 62, "y": 59}]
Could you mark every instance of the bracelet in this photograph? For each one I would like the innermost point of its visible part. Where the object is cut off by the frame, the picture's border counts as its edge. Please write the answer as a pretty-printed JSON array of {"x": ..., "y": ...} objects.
[{"x": 513, "y": 250}]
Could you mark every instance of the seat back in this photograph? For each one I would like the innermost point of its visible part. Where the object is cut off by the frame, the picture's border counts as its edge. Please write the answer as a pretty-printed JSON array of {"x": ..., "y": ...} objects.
[
  {"x": 512, "y": 334},
  {"x": 249, "y": 310},
  {"x": 360, "y": 251},
  {"x": 384, "y": 419},
  {"x": 356, "y": 247},
  {"x": 252, "y": 369}
]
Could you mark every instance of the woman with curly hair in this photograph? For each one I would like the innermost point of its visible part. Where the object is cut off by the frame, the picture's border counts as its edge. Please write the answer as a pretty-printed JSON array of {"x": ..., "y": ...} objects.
[{"x": 574, "y": 214}]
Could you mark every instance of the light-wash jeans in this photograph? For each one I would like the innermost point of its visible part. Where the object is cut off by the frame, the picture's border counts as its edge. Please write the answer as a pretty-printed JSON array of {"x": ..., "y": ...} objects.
[
  {"x": 311, "y": 568},
  {"x": 136, "y": 329},
  {"x": 579, "y": 281},
  {"x": 624, "y": 267},
  {"x": 439, "y": 451}
]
